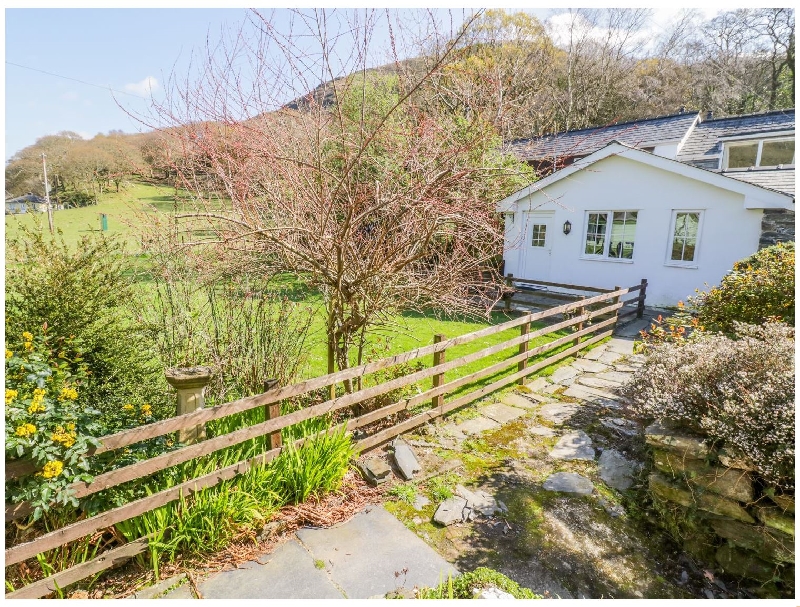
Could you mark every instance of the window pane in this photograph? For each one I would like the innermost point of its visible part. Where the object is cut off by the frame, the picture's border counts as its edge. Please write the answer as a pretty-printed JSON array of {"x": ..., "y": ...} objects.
[
  {"x": 684, "y": 240},
  {"x": 539, "y": 235},
  {"x": 623, "y": 230},
  {"x": 774, "y": 153},
  {"x": 596, "y": 234},
  {"x": 742, "y": 156}
]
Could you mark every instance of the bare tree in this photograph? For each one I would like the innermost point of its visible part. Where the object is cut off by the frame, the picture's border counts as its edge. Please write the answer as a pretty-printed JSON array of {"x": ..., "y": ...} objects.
[{"x": 362, "y": 187}]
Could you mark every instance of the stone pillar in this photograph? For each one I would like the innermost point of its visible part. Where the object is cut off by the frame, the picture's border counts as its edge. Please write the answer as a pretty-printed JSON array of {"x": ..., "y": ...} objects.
[{"x": 190, "y": 384}]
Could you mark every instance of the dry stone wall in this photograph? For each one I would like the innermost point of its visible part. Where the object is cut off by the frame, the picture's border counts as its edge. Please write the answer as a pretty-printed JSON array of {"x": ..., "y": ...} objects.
[{"x": 739, "y": 522}]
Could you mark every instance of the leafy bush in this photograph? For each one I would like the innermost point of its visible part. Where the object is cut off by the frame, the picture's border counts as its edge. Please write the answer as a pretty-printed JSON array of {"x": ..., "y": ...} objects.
[
  {"x": 463, "y": 586},
  {"x": 676, "y": 329},
  {"x": 79, "y": 293},
  {"x": 739, "y": 392},
  {"x": 759, "y": 287},
  {"x": 44, "y": 421}
]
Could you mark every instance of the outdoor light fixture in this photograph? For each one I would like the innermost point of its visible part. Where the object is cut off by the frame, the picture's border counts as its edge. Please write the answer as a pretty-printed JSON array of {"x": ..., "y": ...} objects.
[{"x": 567, "y": 227}]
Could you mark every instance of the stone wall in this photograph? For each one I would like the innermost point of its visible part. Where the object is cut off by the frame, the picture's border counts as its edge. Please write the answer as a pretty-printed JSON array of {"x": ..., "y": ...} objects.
[
  {"x": 737, "y": 520},
  {"x": 777, "y": 225}
]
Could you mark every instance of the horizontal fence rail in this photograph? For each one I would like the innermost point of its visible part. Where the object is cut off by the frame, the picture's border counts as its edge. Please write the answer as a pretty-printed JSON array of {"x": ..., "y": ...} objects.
[{"x": 591, "y": 319}]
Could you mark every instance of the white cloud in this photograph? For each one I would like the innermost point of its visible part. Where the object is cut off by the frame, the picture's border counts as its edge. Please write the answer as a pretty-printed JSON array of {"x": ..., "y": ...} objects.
[{"x": 145, "y": 87}]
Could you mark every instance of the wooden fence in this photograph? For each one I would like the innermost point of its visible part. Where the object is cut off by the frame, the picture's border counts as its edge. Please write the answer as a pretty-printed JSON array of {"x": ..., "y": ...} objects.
[{"x": 591, "y": 319}]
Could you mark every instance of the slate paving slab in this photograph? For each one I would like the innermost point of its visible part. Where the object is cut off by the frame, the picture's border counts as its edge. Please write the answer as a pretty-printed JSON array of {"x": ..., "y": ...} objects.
[
  {"x": 478, "y": 502},
  {"x": 574, "y": 446},
  {"x": 519, "y": 401},
  {"x": 477, "y": 425},
  {"x": 568, "y": 482},
  {"x": 420, "y": 502},
  {"x": 278, "y": 579},
  {"x": 363, "y": 555},
  {"x": 615, "y": 470},
  {"x": 542, "y": 431},
  {"x": 596, "y": 382},
  {"x": 589, "y": 366},
  {"x": 537, "y": 384},
  {"x": 614, "y": 376},
  {"x": 596, "y": 353},
  {"x": 621, "y": 346},
  {"x": 501, "y": 413},
  {"x": 552, "y": 388},
  {"x": 589, "y": 395},
  {"x": 563, "y": 374},
  {"x": 626, "y": 368},
  {"x": 558, "y": 413},
  {"x": 610, "y": 358}
]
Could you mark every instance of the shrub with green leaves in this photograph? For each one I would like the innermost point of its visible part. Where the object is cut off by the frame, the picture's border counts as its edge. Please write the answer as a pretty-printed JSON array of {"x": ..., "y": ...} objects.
[
  {"x": 45, "y": 422},
  {"x": 79, "y": 293},
  {"x": 464, "y": 586},
  {"x": 756, "y": 289},
  {"x": 738, "y": 391}
]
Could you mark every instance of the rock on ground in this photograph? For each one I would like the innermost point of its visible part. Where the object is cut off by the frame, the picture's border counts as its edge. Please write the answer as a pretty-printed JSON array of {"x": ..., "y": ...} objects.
[
  {"x": 572, "y": 446},
  {"x": 405, "y": 459},
  {"x": 490, "y": 593},
  {"x": 568, "y": 482},
  {"x": 615, "y": 470},
  {"x": 558, "y": 413},
  {"x": 450, "y": 511}
]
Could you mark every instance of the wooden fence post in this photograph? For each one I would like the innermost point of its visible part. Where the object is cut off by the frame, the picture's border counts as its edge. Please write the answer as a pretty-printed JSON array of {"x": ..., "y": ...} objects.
[
  {"x": 579, "y": 327},
  {"x": 616, "y": 312},
  {"x": 271, "y": 412},
  {"x": 438, "y": 379},
  {"x": 507, "y": 296},
  {"x": 642, "y": 295},
  {"x": 523, "y": 347}
]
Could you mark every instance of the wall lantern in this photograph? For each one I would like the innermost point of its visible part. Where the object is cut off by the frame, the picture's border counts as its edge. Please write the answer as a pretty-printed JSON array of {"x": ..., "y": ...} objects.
[{"x": 567, "y": 227}]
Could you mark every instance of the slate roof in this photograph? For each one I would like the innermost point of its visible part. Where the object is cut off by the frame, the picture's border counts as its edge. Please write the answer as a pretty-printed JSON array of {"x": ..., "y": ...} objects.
[
  {"x": 780, "y": 180},
  {"x": 27, "y": 198},
  {"x": 704, "y": 141},
  {"x": 586, "y": 141}
]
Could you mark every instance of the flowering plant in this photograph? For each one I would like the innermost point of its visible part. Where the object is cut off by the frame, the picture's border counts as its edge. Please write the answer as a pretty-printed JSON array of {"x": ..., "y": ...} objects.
[{"x": 45, "y": 420}]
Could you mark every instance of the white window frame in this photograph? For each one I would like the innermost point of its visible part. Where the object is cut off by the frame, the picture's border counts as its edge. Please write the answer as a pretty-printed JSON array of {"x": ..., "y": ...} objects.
[
  {"x": 607, "y": 240},
  {"x": 694, "y": 264},
  {"x": 741, "y": 142}
]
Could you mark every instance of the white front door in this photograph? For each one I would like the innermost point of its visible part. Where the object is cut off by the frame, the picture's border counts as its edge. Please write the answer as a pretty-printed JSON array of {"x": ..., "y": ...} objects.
[{"x": 537, "y": 245}]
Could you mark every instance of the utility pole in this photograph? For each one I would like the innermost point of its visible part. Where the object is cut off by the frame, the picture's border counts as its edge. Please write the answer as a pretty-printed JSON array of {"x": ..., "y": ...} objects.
[{"x": 47, "y": 196}]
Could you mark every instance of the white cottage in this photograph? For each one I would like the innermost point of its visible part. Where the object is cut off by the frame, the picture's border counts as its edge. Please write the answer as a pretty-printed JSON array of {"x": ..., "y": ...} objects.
[{"x": 620, "y": 214}]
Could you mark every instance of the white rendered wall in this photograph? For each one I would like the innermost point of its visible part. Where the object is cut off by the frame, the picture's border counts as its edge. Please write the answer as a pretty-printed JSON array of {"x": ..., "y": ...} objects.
[{"x": 728, "y": 231}]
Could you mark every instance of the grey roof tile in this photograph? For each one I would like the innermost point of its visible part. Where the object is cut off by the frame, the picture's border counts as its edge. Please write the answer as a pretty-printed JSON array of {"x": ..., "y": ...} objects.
[
  {"x": 780, "y": 180},
  {"x": 585, "y": 141},
  {"x": 704, "y": 141}
]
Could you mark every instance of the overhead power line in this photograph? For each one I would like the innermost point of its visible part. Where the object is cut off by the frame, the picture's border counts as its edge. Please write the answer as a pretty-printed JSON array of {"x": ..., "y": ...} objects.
[{"x": 99, "y": 86}]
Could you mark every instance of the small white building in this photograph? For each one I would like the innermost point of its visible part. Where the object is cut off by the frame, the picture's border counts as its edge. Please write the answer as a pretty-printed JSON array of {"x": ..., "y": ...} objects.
[{"x": 620, "y": 214}]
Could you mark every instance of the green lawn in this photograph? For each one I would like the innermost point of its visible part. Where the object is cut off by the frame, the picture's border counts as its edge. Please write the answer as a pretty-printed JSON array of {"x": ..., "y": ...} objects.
[
  {"x": 122, "y": 210},
  {"x": 405, "y": 332}
]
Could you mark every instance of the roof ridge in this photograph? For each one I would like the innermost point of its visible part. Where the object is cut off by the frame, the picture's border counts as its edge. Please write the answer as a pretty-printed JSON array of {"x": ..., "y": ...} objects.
[
  {"x": 764, "y": 113},
  {"x": 603, "y": 126}
]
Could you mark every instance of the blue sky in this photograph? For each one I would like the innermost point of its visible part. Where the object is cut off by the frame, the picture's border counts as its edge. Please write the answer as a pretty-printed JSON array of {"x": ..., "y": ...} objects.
[{"x": 124, "y": 49}]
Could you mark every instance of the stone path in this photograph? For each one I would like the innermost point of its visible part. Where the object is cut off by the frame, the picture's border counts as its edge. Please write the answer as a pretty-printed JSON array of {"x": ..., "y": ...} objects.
[
  {"x": 370, "y": 555},
  {"x": 551, "y": 515}
]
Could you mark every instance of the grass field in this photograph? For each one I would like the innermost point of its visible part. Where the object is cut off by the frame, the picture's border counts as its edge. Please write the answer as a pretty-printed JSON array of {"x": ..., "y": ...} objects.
[
  {"x": 406, "y": 331},
  {"x": 122, "y": 210}
]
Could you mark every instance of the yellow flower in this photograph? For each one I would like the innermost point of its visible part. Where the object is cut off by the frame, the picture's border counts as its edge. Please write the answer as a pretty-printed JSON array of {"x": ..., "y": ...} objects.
[
  {"x": 26, "y": 430},
  {"x": 128, "y": 407},
  {"x": 65, "y": 438},
  {"x": 147, "y": 409},
  {"x": 28, "y": 346},
  {"x": 39, "y": 393},
  {"x": 27, "y": 336},
  {"x": 71, "y": 427},
  {"x": 68, "y": 394},
  {"x": 52, "y": 469},
  {"x": 36, "y": 406},
  {"x": 9, "y": 354},
  {"x": 10, "y": 396}
]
